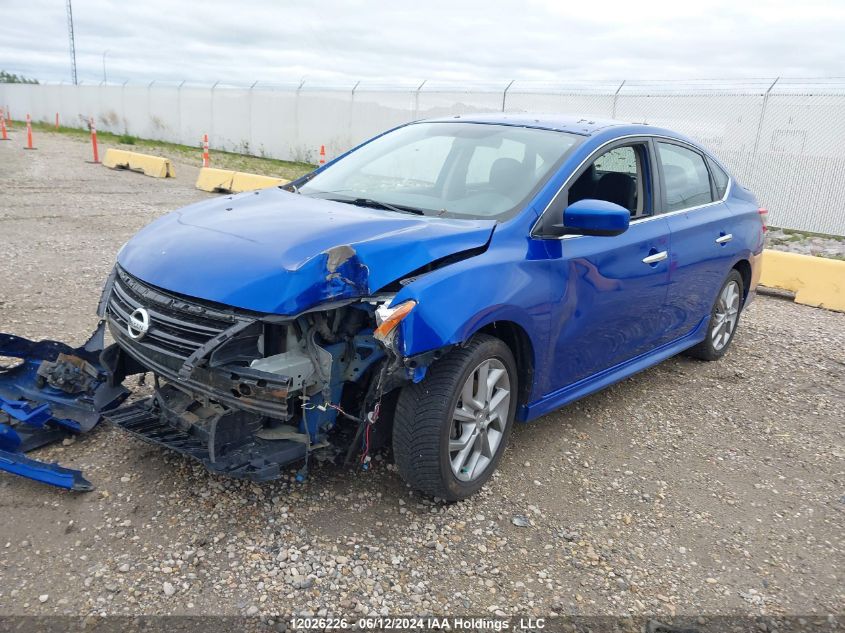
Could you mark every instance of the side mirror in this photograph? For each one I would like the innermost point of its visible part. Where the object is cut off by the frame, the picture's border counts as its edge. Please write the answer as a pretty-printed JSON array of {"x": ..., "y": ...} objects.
[{"x": 595, "y": 217}]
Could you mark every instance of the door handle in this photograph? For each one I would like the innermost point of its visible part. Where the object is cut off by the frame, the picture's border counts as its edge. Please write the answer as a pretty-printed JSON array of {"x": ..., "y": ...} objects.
[
  {"x": 656, "y": 257},
  {"x": 724, "y": 239}
]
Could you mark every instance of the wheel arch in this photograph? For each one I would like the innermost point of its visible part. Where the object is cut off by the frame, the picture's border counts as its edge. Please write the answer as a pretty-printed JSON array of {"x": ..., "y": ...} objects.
[
  {"x": 516, "y": 338},
  {"x": 743, "y": 267}
]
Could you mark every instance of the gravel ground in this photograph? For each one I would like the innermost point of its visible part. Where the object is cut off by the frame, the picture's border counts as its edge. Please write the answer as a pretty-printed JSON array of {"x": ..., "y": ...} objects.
[
  {"x": 806, "y": 243},
  {"x": 690, "y": 488}
]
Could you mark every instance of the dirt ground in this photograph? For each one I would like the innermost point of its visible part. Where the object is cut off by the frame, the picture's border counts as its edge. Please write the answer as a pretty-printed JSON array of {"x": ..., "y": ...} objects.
[{"x": 691, "y": 488}]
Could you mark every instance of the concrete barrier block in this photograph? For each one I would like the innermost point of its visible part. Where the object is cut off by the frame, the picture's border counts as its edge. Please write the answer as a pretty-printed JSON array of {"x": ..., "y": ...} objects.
[
  {"x": 215, "y": 180},
  {"x": 154, "y": 166},
  {"x": 227, "y": 181},
  {"x": 116, "y": 159},
  {"x": 249, "y": 182},
  {"x": 816, "y": 281}
]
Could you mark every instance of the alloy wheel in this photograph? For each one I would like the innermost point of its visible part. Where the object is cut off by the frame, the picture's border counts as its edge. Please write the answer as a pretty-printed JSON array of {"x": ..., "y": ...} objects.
[
  {"x": 726, "y": 315},
  {"x": 479, "y": 419}
]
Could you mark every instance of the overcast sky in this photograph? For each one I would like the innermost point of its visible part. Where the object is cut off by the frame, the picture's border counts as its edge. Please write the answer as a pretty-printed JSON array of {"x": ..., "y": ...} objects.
[{"x": 335, "y": 41}]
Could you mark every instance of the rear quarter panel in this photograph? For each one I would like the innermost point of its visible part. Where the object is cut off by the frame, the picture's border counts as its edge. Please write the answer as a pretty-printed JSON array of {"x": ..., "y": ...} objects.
[{"x": 744, "y": 207}]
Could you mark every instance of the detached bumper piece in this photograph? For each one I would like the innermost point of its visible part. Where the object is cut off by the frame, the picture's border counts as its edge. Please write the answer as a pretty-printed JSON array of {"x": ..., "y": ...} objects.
[
  {"x": 54, "y": 392},
  {"x": 224, "y": 440},
  {"x": 18, "y": 463}
]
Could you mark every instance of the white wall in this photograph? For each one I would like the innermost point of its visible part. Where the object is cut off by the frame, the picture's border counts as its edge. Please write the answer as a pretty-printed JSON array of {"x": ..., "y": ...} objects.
[{"x": 784, "y": 142}]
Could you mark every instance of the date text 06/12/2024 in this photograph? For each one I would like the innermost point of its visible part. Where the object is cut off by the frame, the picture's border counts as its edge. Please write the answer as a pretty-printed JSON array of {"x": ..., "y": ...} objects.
[{"x": 419, "y": 623}]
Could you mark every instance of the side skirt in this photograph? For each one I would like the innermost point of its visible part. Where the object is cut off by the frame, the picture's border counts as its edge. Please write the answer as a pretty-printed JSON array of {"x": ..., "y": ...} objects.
[{"x": 612, "y": 375}]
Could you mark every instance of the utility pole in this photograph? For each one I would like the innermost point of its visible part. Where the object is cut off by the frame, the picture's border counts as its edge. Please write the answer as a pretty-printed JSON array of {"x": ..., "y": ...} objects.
[
  {"x": 72, "y": 42},
  {"x": 105, "y": 77}
]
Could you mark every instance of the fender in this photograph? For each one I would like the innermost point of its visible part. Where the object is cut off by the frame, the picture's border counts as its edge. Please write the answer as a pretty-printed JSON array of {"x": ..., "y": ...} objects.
[{"x": 454, "y": 302}]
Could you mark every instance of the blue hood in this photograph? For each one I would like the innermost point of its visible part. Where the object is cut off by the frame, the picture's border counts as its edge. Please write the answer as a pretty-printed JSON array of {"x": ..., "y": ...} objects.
[{"x": 278, "y": 252}]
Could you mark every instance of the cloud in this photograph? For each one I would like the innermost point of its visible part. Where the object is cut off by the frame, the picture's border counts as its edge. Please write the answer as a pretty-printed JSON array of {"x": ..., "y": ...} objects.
[{"x": 340, "y": 42}]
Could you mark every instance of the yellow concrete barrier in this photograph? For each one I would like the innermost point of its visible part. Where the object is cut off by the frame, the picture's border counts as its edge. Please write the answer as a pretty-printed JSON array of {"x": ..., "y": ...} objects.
[
  {"x": 224, "y": 180},
  {"x": 816, "y": 281},
  {"x": 247, "y": 182},
  {"x": 211, "y": 179},
  {"x": 154, "y": 166}
]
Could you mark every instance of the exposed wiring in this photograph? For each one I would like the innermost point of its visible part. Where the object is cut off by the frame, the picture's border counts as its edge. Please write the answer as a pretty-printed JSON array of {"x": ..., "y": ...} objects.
[
  {"x": 340, "y": 410},
  {"x": 362, "y": 435},
  {"x": 302, "y": 474},
  {"x": 372, "y": 418}
]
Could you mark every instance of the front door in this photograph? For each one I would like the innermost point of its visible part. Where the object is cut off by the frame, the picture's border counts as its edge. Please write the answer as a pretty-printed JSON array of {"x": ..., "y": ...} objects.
[{"x": 609, "y": 293}]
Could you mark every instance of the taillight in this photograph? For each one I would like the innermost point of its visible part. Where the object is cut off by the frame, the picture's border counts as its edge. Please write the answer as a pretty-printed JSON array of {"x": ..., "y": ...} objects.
[{"x": 764, "y": 217}]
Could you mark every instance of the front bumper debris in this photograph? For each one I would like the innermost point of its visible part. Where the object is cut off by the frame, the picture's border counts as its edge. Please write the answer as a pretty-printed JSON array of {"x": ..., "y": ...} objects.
[
  {"x": 55, "y": 392},
  {"x": 227, "y": 442}
]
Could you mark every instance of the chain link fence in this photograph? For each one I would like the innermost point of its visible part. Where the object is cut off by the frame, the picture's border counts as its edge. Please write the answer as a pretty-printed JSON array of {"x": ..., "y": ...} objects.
[{"x": 782, "y": 138}]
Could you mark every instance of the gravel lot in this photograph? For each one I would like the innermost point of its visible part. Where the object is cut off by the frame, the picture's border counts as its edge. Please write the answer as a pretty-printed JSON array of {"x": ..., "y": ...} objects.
[{"x": 690, "y": 488}]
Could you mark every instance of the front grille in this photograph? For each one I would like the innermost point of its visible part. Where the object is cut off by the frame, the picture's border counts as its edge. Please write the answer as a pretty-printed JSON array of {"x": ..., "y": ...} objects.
[{"x": 178, "y": 325}]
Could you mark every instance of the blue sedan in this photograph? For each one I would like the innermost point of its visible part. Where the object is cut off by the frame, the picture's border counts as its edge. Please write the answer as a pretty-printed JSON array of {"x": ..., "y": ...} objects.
[{"x": 427, "y": 289}]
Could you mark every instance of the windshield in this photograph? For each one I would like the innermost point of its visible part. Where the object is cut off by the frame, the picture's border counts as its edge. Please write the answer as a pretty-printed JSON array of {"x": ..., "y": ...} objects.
[{"x": 446, "y": 169}]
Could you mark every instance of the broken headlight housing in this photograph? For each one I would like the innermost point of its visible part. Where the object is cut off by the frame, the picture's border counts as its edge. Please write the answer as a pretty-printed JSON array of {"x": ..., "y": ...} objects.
[{"x": 388, "y": 319}]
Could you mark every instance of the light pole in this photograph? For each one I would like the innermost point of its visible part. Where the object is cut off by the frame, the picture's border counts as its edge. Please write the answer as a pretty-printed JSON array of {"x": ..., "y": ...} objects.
[
  {"x": 105, "y": 79},
  {"x": 72, "y": 42}
]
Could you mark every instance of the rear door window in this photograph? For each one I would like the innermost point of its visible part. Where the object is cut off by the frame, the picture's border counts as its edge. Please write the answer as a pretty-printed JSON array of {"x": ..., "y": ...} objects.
[
  {"x": 720, "y": 179},
  {"x": 685, "y": 176}
]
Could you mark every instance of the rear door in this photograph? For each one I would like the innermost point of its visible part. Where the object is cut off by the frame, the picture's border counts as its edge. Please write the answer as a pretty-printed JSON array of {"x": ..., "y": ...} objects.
[{"x": 702, "y": 229}]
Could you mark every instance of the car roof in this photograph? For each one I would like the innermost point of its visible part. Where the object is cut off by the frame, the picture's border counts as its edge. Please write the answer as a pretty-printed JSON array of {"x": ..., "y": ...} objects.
[
  {"x": 583, "y": 125},
  {"x": 573, "y": 124}
]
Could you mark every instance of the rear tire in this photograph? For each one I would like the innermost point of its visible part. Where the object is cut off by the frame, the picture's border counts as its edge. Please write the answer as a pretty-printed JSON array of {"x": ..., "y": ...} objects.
[
  {"x": 451, "y": 428},
  {"x": 724, "y": 319}
]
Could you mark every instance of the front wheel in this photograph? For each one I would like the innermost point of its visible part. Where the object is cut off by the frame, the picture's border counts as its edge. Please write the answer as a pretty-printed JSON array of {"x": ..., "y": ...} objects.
[
  {"x": 451, "y": 428},
  {"x": 723, "y": 320}
]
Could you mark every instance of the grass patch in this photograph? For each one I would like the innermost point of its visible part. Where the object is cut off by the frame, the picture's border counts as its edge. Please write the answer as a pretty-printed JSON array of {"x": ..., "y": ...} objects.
[
  {"x": 289, "y": 170},
  {"x": 796, "y": 235}
]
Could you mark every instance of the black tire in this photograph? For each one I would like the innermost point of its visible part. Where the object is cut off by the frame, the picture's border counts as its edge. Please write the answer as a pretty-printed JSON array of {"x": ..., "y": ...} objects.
[
  {"x": 707, "y": 350},
  {"x": 424, "y": 420}
]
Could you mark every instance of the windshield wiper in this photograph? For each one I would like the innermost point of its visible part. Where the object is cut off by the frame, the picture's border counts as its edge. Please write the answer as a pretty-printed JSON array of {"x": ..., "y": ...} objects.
[{"x": 378, "y": 204}]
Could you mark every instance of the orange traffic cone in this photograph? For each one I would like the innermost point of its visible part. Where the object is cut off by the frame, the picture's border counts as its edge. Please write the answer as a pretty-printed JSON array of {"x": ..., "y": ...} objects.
[
  {"x": 94, "y": 140},
  {"x": 322, "y": 154},
  {"x": 29, "y": 133},
  {"x": 3, "y": 135},
  {"x": 205, "y": 160}
]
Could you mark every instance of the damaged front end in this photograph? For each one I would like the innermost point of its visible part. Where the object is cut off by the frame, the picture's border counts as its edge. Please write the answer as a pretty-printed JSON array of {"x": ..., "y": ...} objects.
[
  {"x": 53, "y": 392},
  {"x": 248, "y": 393},
  {"x": 267, "y": 324}
]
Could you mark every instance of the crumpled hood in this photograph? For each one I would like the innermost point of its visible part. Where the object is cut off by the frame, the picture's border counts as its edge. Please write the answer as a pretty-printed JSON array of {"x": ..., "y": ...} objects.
[{"x": 278, "y": 252}]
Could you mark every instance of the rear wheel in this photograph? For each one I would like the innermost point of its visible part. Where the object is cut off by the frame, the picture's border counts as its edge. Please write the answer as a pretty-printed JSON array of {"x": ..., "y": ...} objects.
[
  {"x": 451, "y": 428},
  {"x": 724, "y": 319}
]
